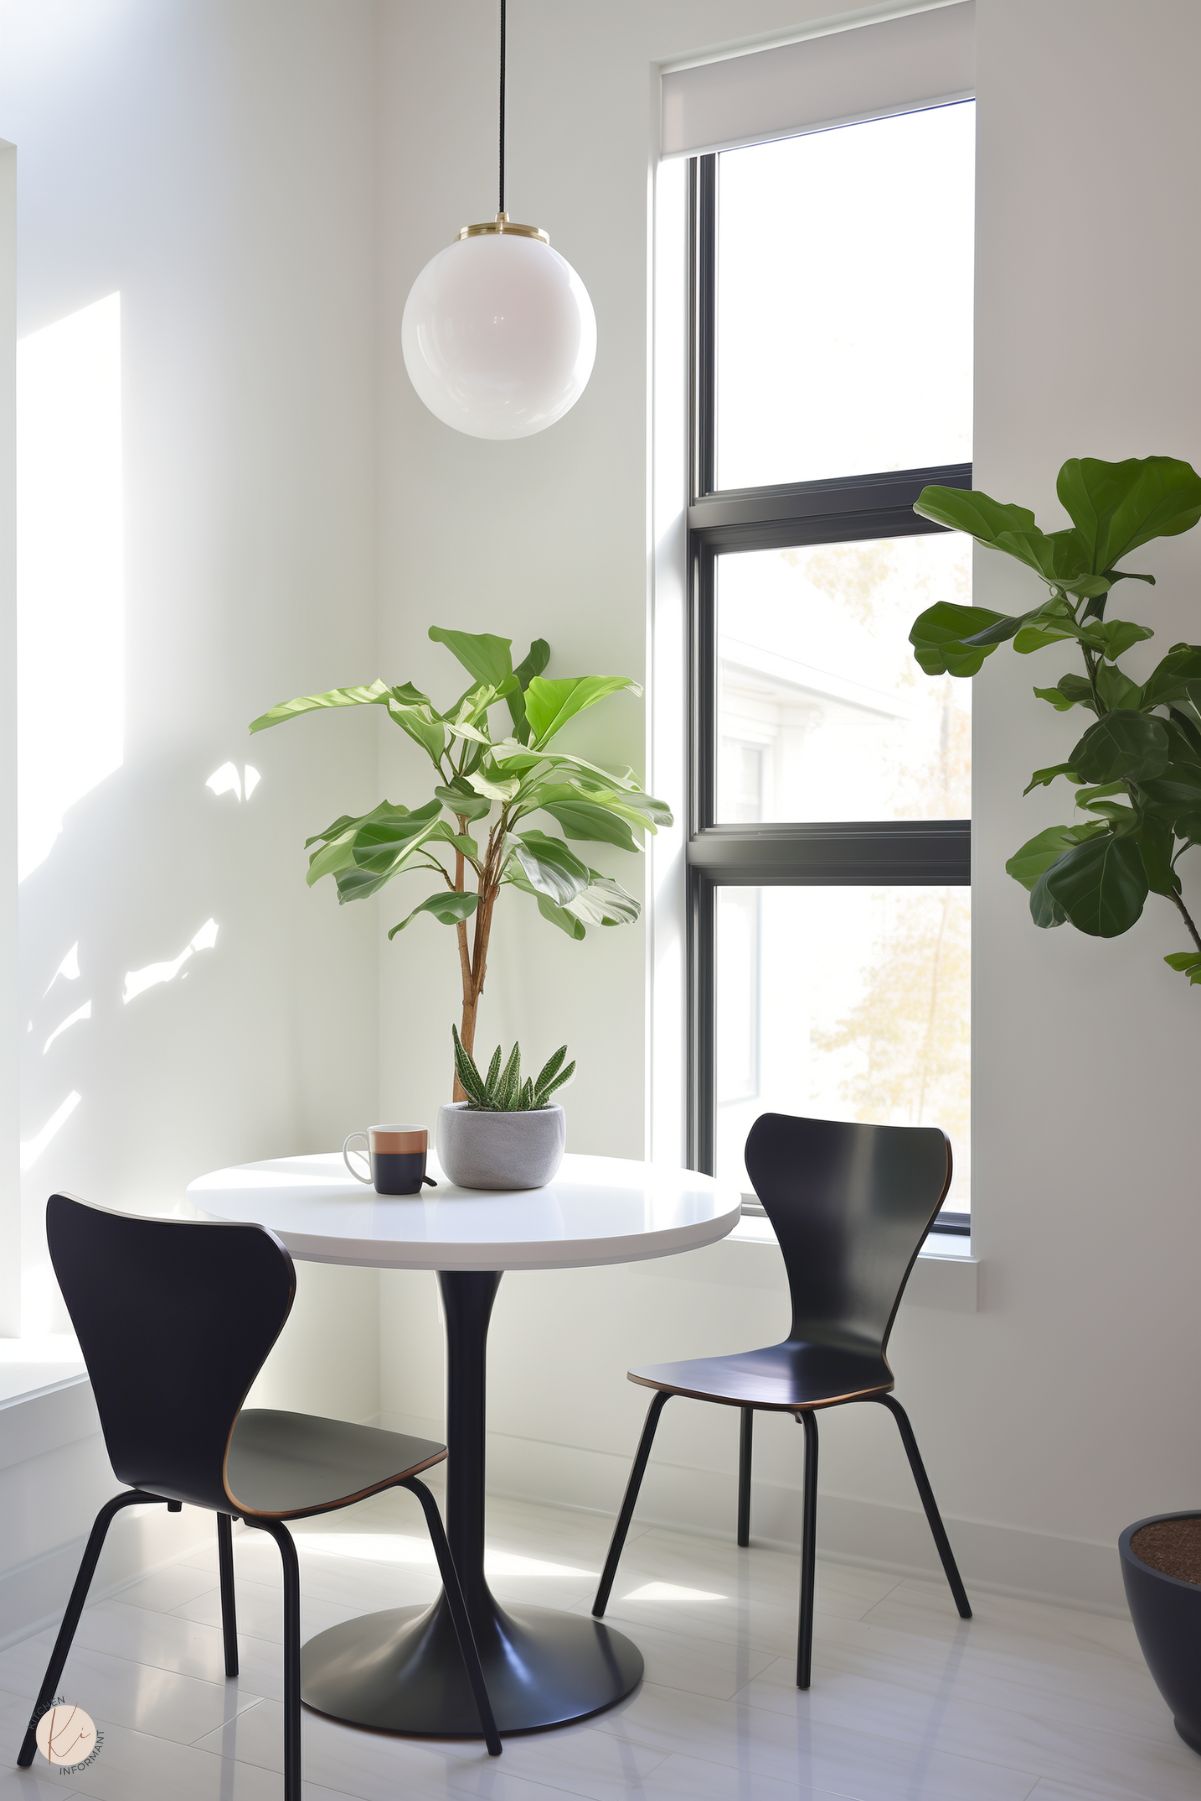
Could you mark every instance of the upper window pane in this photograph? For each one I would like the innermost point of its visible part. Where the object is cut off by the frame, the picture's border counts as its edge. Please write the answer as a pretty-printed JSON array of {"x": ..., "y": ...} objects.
[
  {"x": 844, "y": 300},
  {"x": 822, "y": 711}
]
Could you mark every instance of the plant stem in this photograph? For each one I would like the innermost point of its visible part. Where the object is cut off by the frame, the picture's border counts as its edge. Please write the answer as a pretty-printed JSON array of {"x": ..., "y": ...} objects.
[{"x": 1177, "y": 901}]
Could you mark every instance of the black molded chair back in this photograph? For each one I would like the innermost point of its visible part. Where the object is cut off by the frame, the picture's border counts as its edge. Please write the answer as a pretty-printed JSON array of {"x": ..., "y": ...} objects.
[
  {"x": 175, "y": 1320},
  {"x": 850, "y": 1205}
]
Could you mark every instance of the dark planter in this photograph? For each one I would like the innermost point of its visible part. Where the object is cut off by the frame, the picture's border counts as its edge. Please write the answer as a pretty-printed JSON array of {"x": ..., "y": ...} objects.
[{"x": 1167, "y": 1618}]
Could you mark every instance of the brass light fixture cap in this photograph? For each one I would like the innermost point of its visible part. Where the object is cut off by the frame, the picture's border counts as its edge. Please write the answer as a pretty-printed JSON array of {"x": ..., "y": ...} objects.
[{"x": 503, "y": 223}]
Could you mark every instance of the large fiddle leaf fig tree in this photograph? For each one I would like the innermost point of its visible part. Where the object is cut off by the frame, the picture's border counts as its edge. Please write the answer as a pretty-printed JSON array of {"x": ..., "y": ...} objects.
[
  {"x": 1136, "y": 766},
  {"x": 479, "y": 833}
]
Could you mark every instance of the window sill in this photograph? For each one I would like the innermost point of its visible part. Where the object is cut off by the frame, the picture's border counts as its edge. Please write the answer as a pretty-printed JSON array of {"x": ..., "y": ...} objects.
[
  {"x": 946, "y": 1275},
  {"x": 45, "y": 1397},
  {"x": 34, "y": 1366}
]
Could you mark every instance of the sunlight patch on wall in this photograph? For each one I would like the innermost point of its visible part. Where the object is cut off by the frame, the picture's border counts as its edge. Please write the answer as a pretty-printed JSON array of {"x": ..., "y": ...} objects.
[
  {"x": 70, "y": 570},
  {"x": 137, "y": 981},
  {"x": 229, "y": 779},
  {"x": 32, "y": 1148},
  {"x": 67, "y": 971},
  {"x": 72, "y": 1019}
]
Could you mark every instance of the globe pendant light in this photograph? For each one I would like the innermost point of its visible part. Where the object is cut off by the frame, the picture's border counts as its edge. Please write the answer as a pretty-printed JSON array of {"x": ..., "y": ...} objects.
[{"x": 498, "y": 334}]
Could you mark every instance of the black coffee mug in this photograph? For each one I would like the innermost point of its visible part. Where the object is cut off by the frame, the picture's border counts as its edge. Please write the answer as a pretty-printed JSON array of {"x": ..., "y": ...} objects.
[{"x": 396, "y": 1157}]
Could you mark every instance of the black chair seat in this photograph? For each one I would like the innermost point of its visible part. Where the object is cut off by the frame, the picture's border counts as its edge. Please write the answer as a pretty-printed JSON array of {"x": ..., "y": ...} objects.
[
  {"x": 786, "y": 1376},
  {"x": 282, "y": 1466}
]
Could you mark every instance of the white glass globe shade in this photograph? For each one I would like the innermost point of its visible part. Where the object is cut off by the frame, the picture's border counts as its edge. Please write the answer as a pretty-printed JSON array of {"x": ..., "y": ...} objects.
[{"x": 499, "y": 335}]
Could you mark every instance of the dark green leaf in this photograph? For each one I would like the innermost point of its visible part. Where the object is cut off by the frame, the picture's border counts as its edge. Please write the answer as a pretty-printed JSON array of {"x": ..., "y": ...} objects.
[
  {"x": 1043, "y": 631},
  {"x": 1042, "y": 778},
  {"x": 1070, "y": 691},
  {"x": 945, "y": 637},
  {"x": 1118, "y": 506},
  {"x": 550, "y": 704},
  {"x": 1176, "y": 677},
  {"x": 1121, "y": 746},
  {"x": 1045, "y": 910},
  {"x": 1156, "y": 841},
  {"x": 1116, "y": 689},
  {"x": 1088, "y": 797},
  {"x": 1185, "y": 735},
  {"x": 1176, "y": 790},
  {"x": 1101, "y": 885},
  {"x": 1040, "y": 852},
  {"x": 1115, "y": 637},
  {"x": 446, "y": 907},
  {"x": 1059, "y": 557},
  {"x": 369, "y": 696},
  {"x": 487, "y": 658}
]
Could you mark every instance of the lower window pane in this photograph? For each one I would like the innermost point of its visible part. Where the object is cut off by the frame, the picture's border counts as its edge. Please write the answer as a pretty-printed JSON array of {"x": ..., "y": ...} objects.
[{"x": 843, "y": 1003}]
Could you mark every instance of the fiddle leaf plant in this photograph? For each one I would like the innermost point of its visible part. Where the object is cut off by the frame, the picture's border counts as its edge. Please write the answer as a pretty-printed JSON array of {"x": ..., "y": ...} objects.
[
  {"x": 1136, "y": 768},
  {"x": 482, "y": 831}
]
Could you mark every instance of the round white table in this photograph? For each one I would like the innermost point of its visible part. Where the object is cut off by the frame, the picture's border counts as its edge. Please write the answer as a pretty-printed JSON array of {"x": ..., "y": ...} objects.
[{"x": 400, "y": 1670}]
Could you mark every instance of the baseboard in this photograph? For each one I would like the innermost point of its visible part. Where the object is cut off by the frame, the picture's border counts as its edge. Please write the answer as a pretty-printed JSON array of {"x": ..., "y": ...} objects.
[{"x": 1001, "y": 1559}]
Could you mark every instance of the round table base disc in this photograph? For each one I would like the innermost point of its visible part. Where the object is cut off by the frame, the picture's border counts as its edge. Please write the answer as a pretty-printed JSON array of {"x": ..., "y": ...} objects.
[{"x": 400, "y": 1671}]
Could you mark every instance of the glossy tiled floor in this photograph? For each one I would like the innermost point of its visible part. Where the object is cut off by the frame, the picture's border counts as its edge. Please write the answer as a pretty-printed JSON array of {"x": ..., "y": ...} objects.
[{"x": 908, "y": 1702}]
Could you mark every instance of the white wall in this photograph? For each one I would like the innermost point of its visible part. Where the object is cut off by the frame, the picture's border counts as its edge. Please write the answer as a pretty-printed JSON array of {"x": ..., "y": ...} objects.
[
  {"x": 1060, "y": 1410},
  {"x": 212, "y": 163},
  {"x": 260, "y": 180}
]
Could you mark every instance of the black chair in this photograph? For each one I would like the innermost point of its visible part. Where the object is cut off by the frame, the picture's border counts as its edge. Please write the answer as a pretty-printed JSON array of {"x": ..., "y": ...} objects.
[
  {"x": 850, "y": 1206},
  {"x": 175, "y": 1319}
]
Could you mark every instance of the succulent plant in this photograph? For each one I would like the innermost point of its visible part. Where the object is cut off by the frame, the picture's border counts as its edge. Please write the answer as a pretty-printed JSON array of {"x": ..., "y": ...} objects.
[{"x": 502, "y": 1089}]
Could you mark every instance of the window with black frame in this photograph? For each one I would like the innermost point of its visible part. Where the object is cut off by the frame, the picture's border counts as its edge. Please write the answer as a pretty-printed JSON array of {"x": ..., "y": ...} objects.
[{"x": 829, "y": 836}]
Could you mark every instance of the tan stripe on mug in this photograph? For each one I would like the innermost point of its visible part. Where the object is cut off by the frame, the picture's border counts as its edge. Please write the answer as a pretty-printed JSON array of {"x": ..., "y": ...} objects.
[{"x": 398, "y": 1141}]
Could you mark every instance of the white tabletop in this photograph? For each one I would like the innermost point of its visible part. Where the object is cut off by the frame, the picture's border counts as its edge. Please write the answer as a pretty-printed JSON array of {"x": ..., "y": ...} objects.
[{"x": 597, "y": 1210}]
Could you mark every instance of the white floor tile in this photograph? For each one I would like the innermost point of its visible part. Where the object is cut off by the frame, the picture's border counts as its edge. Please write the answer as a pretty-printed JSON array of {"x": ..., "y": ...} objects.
[{"x": 1029, "y": 1701}]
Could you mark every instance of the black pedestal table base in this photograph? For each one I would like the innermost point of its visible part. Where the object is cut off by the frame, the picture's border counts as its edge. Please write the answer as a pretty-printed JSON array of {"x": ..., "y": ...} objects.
[{"x": 400, "y": 1671}]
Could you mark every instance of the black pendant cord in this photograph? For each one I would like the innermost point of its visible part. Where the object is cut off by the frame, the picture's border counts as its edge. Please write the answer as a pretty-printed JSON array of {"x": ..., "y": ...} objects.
[{"x": 503, "y": 9}]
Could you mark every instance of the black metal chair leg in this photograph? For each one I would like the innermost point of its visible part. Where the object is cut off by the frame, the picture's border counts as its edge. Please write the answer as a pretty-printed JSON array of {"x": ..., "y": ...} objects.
[
  {"x": 79, "y": 1594},
  {"x": 617, "y": 1543},
  {"x": 938, "y": 1530},
  {"x": 744, "y": 1475},
  {"x": 804, "y": 1653},
  {"x": 468, "y": 1649},
  {"x": 291, "y": 1568},
  {"x": 229, "y": 1617}
]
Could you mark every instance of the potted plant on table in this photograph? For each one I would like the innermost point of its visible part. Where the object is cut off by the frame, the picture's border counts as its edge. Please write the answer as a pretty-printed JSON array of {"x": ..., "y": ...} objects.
[
  {"x": 1136, "y": 770},
  {"x": 482, "y": 832},
  {"x": 507, "y": 1132}
]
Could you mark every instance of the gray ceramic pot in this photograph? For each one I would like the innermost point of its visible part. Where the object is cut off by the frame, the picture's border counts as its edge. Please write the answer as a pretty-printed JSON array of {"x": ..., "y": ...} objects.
[{"x": 500, "y": 1150}]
